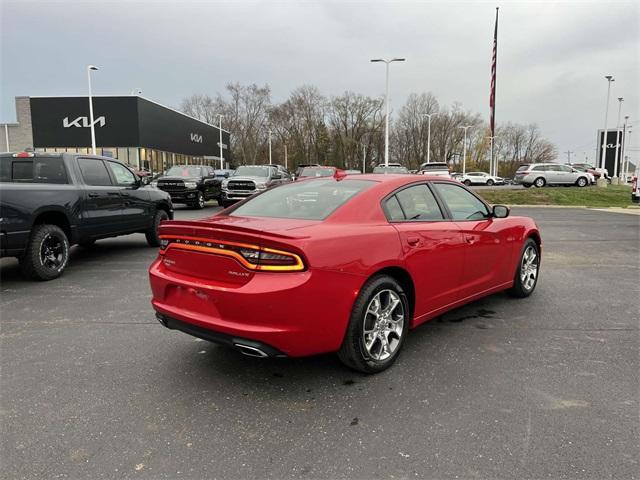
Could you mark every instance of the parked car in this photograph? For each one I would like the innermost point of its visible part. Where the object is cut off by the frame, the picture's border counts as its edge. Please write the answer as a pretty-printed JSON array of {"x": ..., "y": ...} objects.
[
  {"x": 192, "y": 185},
  {"x": 52, "y": 201},
  {"x": 312, "y": 172},
  {"x": 302, "y": 166},
  {"x": 480, "y": 178},
  {"x": 635, "y": 189},
  {"x": 437, "y": 169},
  {"x": 594, "y": 171},
  {"x": 391, "y": 168},
  {"x": 541, "y": 174},
  {"x": 248, "y": 180},
  {"x": 586, "y": 170},
  {"x": 339, "y": 264},
  {"x": 353, "y": 172}
]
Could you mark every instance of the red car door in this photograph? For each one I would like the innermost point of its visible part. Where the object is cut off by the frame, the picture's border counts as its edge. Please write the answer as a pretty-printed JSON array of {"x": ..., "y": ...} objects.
[
  {"x": 487, "y": 253},
  {"x": 432, "y": 246}
]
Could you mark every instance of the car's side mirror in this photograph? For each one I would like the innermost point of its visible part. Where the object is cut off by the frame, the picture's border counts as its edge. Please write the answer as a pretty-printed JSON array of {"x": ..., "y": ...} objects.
[{"x": 500, "y": 211}]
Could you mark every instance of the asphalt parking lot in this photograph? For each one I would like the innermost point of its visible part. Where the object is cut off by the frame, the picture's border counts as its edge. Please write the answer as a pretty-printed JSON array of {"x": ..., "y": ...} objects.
[{"x": 92, "y": 386}]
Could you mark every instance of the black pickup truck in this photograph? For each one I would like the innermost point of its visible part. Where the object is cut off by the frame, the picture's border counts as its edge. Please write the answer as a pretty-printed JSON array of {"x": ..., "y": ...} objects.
[
  {"x": 191, "y": 184},
  {"x": 49, "y": 202}
]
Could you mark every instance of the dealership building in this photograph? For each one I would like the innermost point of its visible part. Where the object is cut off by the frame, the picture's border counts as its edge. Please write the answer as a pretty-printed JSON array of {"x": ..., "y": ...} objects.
[{"x": 135, "y": 130}]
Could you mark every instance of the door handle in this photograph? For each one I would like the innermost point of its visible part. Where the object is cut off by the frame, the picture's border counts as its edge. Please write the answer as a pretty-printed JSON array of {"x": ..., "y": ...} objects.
[
  {"x": 94, "y": 195},
  {"x": 413, "y": 241},
  {"x": 470, "y": 239}
]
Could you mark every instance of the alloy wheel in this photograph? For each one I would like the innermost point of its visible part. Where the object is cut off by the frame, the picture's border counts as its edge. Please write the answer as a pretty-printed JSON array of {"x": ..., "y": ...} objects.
[
  {"x": 383, "y": 325},
  {"x": 51, "y": 252},
  {"x": 529, "y": 268}
]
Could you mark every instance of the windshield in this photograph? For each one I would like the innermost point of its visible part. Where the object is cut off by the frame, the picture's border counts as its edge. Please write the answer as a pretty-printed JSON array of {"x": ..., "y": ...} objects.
[
  {"x": 184, "y": 171},
  {"x": 316, "y": 172},
  {"x": 390, "y": 170},
  {"x": 251, "y": 171},
  {"x": 313, "y": 200}
]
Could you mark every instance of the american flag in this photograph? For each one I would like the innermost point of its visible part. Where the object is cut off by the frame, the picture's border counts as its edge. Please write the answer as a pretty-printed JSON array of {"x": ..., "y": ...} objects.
[{"x": 494, "y": 59}]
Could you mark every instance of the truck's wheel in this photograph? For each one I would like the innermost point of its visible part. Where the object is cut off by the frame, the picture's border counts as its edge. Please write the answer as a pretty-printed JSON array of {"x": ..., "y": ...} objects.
[
  {"x": 200, "y": 201},
  {"x": 47, "y": 253},
  {"x": 153, "y": 239}
]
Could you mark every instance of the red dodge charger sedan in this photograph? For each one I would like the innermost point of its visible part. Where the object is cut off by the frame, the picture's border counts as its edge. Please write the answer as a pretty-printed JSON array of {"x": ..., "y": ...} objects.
[{"x": 345, "y": 264}]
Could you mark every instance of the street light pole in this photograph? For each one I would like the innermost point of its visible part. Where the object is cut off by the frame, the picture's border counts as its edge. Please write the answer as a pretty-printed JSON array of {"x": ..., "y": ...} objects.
[
  {"x": 464, "y": 149},
  {"x": 625, "y": 165},
  {"x": 221, "y": 149},
  {"x": 269, "y": 146},
  {"x": 615, "y": 179},
  {"x": 93, "y": 127},
  {"x": 491, "y": 166},
  {"x": 386, "y": 115},
  {"x": 429, "y": 115},
  {"x": 602, "y": 181}
]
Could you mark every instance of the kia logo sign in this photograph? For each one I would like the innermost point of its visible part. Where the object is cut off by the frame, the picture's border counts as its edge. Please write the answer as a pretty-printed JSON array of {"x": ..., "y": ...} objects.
[
  {"x": 196, "y": 138},
  {"x": 83, "y": 122}
]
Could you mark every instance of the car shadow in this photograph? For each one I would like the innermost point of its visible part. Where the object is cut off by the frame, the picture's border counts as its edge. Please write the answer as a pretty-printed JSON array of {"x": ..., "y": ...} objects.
[{"x": 425, "y": 346}]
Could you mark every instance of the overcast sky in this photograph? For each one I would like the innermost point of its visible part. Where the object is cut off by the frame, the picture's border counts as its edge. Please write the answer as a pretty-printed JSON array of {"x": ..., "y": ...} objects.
[{"x": 552, "y": 56}]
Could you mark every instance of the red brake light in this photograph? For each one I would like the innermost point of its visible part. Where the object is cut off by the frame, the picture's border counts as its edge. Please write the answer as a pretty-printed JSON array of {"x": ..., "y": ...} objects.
[{"x": 23, "y": 155}]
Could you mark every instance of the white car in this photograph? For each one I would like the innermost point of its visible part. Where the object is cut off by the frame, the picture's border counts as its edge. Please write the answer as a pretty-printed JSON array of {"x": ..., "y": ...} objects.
[
  {"x": 480, "y": 178},
  {"x": 435, "y": 169}
]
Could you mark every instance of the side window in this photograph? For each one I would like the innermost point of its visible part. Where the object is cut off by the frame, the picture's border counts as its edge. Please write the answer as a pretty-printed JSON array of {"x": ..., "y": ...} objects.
[
  {"x": 123, "y": 175},
  {"x": 22, "y": 171},
  {"x": 565, "y": 168},
  {"x": 393, "y": 211},
  {"x": 462, "y": 204},
  {"x": 94, "y": 172},
  {"x": 49, "y": 170},
  {"x": 540, "y": 168},
  {"x": 418, "y": 203}
]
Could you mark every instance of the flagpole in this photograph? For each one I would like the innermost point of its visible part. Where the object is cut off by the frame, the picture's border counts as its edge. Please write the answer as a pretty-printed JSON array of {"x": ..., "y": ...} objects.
[{"x": 492, "y": 98}]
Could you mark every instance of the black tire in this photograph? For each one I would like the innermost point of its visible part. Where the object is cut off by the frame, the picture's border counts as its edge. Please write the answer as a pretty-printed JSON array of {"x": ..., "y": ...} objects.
[
  {"x": 200, "y": 201},
  {"x": 353, "y": 351},
  {"x": 87, "y": 243},
  {"x": 47, "y": 253},
  {"x": 582, "y": 182},
  {"x": 224, "y": 204},
  {"x": 467, "y": 183},
  {"x": 520, "y": 289},
  {"x": 490, "y": 183},
  {"x": 539, "y": 182},
  {"x": 153, "y": 238}
]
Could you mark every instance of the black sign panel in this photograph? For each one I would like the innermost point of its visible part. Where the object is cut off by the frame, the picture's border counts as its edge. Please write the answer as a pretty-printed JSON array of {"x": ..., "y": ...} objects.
[
  {"x": 171, "y": 131},
  {"x": 614, "y": 137},
  {"x": 121, "y": 122},
  {"x": 64, "y": 121}
]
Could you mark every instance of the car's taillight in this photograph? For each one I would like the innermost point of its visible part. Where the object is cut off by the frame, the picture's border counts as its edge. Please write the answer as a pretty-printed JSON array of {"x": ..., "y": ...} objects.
[{"x": 253, "y": 257}]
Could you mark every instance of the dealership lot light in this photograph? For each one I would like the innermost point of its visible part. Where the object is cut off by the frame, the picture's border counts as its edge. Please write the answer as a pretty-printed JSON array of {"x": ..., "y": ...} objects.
[
  {"x": 93, "y": 130},
  {"x": 602, "y": 182},
  {"x": 386, "y": 115}
]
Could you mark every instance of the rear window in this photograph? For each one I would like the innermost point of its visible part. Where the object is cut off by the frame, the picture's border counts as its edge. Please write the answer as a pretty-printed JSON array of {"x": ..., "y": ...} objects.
[
  {"x": 390, "y": 170},
  {"x": 309, "y": 200},
  {"x": 34, "y": 170},
  {"x": 522, "y": 168},
  {"x": 434, "y": 166},
  {"x": 316, "y": 172}
]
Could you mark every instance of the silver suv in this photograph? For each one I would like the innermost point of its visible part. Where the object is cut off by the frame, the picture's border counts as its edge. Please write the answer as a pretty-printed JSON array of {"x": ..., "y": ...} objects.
[{"x": 541, "y": 174}]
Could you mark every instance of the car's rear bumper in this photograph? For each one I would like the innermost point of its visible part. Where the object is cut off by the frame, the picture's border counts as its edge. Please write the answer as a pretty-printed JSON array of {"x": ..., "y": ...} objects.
[{"x": 296, "y": 313}]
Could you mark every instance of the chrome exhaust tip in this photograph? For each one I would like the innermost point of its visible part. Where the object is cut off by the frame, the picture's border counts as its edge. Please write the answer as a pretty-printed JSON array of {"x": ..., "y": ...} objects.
[{"x": 250, "y": 351}]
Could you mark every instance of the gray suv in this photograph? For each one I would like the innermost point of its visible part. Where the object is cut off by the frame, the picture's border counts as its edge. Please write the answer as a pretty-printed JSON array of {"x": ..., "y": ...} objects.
[
  {"x": 541, "y": 174},
  {"x": 248, "y": 180}
]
